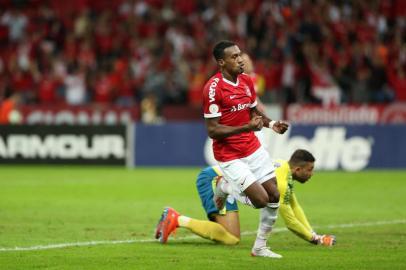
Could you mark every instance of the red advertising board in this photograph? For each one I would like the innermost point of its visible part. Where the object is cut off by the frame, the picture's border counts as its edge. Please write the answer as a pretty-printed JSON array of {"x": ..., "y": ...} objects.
[
  {"x": 82, "y": 115},
  {"x": 346, "y": 114}
]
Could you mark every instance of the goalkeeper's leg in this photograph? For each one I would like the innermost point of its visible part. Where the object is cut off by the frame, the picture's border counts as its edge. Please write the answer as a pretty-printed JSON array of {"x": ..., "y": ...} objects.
[{"x": 215, "y": 231}]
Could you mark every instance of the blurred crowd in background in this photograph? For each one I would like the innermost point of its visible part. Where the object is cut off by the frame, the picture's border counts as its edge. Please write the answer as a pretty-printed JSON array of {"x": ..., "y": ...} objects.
[{"x": 157, "y": 52}]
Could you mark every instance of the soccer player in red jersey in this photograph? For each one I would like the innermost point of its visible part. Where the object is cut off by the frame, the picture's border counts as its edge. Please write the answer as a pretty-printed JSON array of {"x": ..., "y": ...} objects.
[{"x": 229, "y": 103}]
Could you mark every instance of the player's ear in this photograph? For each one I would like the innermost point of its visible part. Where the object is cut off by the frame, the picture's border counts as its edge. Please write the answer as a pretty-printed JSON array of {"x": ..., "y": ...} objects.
[
  {"x": 221, "y": 62},
  {"x": 296, "y": 169}
]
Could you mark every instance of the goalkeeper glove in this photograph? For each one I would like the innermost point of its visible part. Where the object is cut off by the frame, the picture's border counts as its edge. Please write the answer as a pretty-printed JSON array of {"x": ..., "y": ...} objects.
[{"x": 325, "y": 239}]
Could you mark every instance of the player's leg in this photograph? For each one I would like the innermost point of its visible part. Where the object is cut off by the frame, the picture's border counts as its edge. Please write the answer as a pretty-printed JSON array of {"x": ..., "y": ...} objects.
[
  {"x": 271, "y": 189},
  {"x": 262, "y": 167},
  {"x": 269, "y": 214},
  {"x": 171, "y": 220},
  {"x": 214, "y": 230},
  {"x": 230, "y": 221},
  {"x": 267, "y": 218},
  {"x": 242, "y": 180},
  {"x": 228, "y": 216},
  {"x": 225, "y": 228}
]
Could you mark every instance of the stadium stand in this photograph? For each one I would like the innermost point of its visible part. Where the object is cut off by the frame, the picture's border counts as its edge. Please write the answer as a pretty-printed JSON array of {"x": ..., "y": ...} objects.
[{"x": 100, "y": 52}]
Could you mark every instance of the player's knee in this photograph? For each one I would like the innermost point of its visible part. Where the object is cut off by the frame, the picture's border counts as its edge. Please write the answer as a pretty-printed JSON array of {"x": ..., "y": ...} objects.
[
  {"x": 232, "y": 241},
  {"x": 260, "y": 202},
  {"x": 274, "y": 197}
]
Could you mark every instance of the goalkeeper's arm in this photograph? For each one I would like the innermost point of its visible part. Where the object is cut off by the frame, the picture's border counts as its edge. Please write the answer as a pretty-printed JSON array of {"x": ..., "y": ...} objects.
[
  {"x": 293, "y": 224},
  {"x": 304, "y": 231}
]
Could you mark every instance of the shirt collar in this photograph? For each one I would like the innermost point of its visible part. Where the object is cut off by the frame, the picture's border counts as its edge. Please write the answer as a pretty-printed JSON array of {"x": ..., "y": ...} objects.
[{"x": 230, "y": 82}]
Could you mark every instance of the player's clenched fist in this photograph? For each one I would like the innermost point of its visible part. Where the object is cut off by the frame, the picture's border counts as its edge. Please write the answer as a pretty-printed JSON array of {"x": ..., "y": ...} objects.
[{"x": 280, "y": 127}]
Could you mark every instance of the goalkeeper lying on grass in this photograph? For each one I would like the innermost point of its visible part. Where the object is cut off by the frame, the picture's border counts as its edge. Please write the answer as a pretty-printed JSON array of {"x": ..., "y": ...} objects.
[{"x": 224, "y": 225}]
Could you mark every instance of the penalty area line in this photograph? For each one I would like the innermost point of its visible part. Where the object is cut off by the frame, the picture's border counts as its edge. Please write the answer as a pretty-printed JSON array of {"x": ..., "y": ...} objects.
[{"x": 130, "y": 241}]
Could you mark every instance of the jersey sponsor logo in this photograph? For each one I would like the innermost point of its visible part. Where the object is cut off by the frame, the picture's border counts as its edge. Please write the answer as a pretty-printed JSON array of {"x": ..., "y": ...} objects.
[
  {"x": 330, "y": 146},
  {"x": 212, "y": 89},
  {"x": 213, "y": 108},
  {"x": 232, "y": 96},
  {"x": 62, "y": 146},
  {"x": 240, "y": 107}
]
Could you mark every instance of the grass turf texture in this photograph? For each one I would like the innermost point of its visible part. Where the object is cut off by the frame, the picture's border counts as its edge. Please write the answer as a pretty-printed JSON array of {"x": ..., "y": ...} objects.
[{"x": 43, "y": 206}]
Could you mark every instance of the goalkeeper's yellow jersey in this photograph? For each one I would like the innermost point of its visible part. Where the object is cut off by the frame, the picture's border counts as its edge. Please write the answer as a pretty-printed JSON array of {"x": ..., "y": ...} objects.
[{"x": 289, "y": 209}]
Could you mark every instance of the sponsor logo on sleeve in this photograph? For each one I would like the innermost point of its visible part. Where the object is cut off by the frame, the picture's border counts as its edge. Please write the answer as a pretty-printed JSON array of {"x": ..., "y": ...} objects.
[{"x": 212, "y": 89}]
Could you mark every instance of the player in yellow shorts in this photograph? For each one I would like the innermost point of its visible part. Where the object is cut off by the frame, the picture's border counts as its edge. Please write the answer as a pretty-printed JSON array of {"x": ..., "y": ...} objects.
[{"x": 224, "y": 226}]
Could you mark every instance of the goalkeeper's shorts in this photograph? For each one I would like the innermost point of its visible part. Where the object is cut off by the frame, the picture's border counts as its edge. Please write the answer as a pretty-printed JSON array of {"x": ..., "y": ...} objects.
[{"x": 205, "y": 190}]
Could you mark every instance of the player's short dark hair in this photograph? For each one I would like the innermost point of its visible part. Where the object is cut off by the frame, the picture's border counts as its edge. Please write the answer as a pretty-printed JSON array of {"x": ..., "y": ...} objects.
[
  {"x": 218, "y": 50},
  {"x": 301, "y": 156}
]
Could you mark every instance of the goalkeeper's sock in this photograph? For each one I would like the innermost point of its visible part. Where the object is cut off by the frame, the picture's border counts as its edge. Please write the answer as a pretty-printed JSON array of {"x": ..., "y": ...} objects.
[
  {"x": 208, "y": 229},
  {"x": 267, "y": 218}
]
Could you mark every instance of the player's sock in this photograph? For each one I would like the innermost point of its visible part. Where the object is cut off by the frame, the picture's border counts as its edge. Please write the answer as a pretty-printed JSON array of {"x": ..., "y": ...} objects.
[
  {"x": 183, "y": 221},
  {"x": 209, "y": 230},
  {"x": 267, "y": 218}
]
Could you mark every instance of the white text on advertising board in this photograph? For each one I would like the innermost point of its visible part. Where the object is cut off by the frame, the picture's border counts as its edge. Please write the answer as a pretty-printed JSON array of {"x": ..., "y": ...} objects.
[
  {"x": 330, "y": 146},
  {"x": 62, "y": 146}
]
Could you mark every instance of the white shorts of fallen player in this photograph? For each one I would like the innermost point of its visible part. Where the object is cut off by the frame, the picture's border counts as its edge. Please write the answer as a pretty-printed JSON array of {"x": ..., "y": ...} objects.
[{"x": 241, "y": 173}]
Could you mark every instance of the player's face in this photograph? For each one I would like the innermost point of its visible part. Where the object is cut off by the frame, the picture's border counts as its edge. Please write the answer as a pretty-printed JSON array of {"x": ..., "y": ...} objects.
[
  {"x": 232, "y": 62},
  {"x": 303, "y": 173}
]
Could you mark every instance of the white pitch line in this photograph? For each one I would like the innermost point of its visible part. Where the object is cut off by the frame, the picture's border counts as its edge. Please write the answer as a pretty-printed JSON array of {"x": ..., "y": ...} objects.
[{"x": 129, "y": 241}]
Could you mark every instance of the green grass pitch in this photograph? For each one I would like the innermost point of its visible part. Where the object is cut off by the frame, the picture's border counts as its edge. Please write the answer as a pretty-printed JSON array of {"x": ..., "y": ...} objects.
[{"x": 45, "y": 206}]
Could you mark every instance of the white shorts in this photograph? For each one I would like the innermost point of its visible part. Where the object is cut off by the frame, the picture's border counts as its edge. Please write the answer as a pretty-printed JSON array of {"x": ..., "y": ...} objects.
[{"x": 243, "y": 172}]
